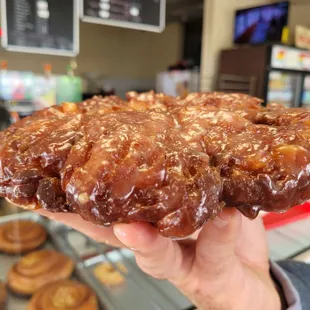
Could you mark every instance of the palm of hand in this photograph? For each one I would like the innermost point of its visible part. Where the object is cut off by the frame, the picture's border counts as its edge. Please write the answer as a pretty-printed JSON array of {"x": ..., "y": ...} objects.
[{"x": 225, "y": 266}]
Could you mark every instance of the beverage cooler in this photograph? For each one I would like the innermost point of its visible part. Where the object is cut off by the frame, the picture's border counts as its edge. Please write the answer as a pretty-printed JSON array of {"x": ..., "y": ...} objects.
[
  {"x": 283, "y": 88},
  {"x": 26, "y": 92},
  {"x": 282, "y": 73},
  {"x": 305, "y": 101}
]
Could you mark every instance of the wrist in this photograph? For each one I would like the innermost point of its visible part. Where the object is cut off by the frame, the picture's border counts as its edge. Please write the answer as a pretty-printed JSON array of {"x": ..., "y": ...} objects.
[
  {"x": 265, "y": 295},
  {"x": 254, "y": 299}
]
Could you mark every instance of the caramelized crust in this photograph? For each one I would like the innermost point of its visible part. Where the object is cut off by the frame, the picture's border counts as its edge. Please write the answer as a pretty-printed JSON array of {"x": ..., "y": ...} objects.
[
  {"x": 3, "y": 296},
  {"x": 36, "y": 269},
  {"x": 134, "y": 166},
  {"x": 64, "y": 295},
  {"x": 18, "y": 237},
  {"x": 173, "y": 162},
  {"x": 110, "y": 276}
]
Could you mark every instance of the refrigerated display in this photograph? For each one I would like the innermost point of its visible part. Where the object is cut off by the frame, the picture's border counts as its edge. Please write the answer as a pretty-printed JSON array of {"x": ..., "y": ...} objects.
[
  {"x": 306, "y": 93},
  {"x": 16, "y": 85},
  {"x": 25, "y": 92},
  {"x": 282, "y": 88},
  {"x": 281, "y": 71},
  {"x": 45, "y": 91},
  {"x": 68, "y": 88}
]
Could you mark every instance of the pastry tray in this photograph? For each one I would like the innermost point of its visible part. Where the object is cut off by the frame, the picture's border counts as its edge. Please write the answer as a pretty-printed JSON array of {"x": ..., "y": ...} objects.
[{"x": 138, "y": 291}]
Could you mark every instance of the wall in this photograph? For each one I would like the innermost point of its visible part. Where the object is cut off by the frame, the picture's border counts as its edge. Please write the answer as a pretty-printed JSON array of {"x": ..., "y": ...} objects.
[
  {"x": 218, "y": 34},
  {"x": 114, "y": 52},
  {"x": 299, "y": 15},
  {"x": 218, "y": 30}
]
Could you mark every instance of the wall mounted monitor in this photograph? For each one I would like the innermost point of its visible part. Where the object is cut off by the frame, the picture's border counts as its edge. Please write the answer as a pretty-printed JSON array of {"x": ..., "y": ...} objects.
[{"x": 261, "y": 24}]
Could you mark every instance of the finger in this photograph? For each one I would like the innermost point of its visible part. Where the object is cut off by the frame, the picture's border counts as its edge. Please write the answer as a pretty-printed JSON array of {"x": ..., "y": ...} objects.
[
  {"x": 158, "y": 256},
  {"x": 252, "y": 243},
  {"x": 100, "y": 234},
  {"x": 217, "y": 240}
]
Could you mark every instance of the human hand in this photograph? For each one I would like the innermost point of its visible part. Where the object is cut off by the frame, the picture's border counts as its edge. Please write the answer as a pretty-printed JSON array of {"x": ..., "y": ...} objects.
[
  {"x": 225, "y": 268},
  {"x": 100, "y": 234}
]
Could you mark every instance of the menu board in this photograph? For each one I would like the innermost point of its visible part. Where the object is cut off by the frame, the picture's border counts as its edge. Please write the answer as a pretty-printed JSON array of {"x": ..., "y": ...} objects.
[
  {"x": 148, "y": 15},
  {"x": 41, "y": 26}
]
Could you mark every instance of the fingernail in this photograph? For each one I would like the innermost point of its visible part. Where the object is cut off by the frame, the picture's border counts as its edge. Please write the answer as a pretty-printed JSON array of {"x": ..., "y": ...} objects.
[
  {"x": 119, "y": 232},
  {"x": 133, "y": 249}
]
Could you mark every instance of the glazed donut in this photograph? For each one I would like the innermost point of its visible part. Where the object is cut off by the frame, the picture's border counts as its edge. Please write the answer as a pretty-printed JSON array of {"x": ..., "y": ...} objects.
[
  {"x": 108, "y": 275},
  {"x": 64, "y": 295},
  {"x": 3, "y": 296},
  {"x": 37, "y": 269},
  {"x": 21, "y": 236}
]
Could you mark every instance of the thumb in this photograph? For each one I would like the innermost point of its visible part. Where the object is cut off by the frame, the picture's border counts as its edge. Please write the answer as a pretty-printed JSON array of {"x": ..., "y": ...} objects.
[
  {"x": 217, "y": 241},
  {"x": 158, "y": 256}
]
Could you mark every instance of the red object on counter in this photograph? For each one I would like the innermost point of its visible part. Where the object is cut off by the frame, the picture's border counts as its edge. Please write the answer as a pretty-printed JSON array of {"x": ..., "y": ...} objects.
[{"x": 275, "y": 220}]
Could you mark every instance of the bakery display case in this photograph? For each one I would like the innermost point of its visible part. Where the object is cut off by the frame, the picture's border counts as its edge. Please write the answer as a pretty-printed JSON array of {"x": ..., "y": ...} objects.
[
  {"x": 25, "y": 92},
  {"x": 43, "y": 262}
]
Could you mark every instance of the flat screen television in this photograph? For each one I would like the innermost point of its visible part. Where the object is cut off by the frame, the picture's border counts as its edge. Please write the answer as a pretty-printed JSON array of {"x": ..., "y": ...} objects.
[{"x": 261, "y": 24}]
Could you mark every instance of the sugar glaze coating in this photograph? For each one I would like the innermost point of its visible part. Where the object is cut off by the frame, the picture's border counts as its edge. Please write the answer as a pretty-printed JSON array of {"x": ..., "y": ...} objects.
[{"x": 173, "y": 162}]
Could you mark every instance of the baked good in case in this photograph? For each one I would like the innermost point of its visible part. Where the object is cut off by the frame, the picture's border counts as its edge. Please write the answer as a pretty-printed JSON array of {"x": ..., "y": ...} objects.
[
  {"x": 36, "y": 269},
  {"x": 3, "y": 296},
  {"x": 21, "y": 236},
  {"x": 108, "y": 275},
  {"x": 64, "y": 295}
]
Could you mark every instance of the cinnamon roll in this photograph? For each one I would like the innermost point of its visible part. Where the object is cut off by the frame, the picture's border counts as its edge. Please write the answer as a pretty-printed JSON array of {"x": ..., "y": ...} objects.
[
  {"x": 108, "y": 275},
  {"x": 64, "y": 295},
  {"x": 21, "y": 236},
  {"x": 37, "y": 269},
  {"x": 3, "y": 296}
]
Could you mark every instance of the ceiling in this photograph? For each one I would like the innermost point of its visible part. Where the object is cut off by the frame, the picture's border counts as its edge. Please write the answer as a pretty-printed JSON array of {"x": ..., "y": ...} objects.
[
  {"x": 183, "y": 10},
  {"x": 301, "y": 2}
]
